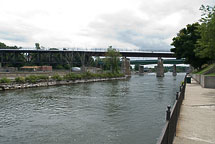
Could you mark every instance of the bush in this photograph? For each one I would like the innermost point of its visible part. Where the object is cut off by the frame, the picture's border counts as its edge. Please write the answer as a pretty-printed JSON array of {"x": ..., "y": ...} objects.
[
  {"x": 57, "y": 77},
  {"x": 32, "y": 79},
  {"x": 5, "y": 80},
  {"x": 42, "y": 77},
  {"x": 20, "y": 79},
  {"x": 88, "y": 75},
  {"x": 59, "y": 67},
  {"x": 72, "y": 76}
]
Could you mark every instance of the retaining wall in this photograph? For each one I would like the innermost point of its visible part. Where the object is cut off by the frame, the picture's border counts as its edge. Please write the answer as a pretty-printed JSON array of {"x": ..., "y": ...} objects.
[{"x": 205, "y": 81}]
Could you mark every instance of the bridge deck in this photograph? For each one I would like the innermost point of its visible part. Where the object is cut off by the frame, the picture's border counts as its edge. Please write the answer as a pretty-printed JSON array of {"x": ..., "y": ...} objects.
[{"x": 94, "y": 53}]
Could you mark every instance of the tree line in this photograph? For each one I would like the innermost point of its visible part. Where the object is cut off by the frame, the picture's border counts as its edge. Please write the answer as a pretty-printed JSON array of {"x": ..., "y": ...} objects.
[{"x": 196, "y": 42}]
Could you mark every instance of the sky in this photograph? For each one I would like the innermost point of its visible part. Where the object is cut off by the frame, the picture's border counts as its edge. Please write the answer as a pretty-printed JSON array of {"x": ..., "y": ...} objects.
[{"x": 123, "y": 24}]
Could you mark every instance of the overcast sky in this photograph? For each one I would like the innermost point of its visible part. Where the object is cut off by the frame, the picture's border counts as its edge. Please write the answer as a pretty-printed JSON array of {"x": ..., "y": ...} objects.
[{"x": 130, "y": 24}]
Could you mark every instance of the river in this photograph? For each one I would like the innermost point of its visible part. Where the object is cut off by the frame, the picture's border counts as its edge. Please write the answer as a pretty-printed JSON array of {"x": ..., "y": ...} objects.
[{"x": 110, "y": 112}]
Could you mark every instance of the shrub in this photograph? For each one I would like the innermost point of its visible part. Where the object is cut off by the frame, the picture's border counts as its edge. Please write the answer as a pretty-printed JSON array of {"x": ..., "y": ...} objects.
[
  {"x": 72, "y": 76},
  {"x": 87, "y": 75},
  {"x": 32, "y": 78},
  {"x": 5, "y": 80},
  {"x": 20, "y": 79},
  {"x": 57, "y": 77},
  {"x": 42, "y": 77}
]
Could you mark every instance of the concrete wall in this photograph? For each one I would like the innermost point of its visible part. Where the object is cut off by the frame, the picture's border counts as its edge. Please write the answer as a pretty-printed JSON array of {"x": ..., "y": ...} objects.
[
  {"x": 205, "y": 81},
  {"x": 208, "y": 81}
]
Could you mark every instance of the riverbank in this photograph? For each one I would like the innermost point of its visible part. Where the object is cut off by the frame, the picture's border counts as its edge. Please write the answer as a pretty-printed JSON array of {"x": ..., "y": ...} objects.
[
  {"x": 196, "y": 120},
  {"x": 13, "y": 86}
]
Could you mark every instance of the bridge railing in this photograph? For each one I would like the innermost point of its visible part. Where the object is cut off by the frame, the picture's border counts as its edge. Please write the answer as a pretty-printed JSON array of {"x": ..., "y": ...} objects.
[
  {"x": 169, "y": 130},
  {"x": 95, "y": 49}
]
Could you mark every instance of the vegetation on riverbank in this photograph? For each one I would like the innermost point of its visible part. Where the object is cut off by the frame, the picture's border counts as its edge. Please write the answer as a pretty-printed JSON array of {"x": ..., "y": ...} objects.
[
  {"x": 57, "y": 77},
  {"x": 196, "y": 42},
  {"x": 208, "y": 69}
]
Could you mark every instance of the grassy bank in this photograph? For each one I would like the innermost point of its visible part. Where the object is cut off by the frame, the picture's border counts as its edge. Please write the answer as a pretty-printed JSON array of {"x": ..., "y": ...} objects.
[{"x": 206, "y": 70}]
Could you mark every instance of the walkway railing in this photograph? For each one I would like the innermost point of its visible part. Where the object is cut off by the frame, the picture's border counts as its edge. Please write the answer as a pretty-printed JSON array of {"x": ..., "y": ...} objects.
[{"x": 169, "y": 130}]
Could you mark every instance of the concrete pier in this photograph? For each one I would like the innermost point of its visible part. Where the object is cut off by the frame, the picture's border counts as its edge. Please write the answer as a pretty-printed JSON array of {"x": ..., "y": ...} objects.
[
  {"x": 141, "y": 69},
  {"x": 160, "y": 68},
  {"x": 125, "y": 66},
  {"x": 196, "y": 123},
  {"x": 174, "y": 73}
]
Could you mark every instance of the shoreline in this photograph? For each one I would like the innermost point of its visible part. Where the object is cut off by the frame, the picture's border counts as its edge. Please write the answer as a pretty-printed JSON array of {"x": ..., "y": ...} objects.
[{"x": 14, "y": 86}]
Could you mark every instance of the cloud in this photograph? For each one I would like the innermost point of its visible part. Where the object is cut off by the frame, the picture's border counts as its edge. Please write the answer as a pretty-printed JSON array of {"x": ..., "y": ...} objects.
[{"x": 130, "y": 24}]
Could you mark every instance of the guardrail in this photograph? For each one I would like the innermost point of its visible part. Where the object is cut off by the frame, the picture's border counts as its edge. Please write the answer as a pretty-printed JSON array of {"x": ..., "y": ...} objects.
[{"x": 169, "y": 130}]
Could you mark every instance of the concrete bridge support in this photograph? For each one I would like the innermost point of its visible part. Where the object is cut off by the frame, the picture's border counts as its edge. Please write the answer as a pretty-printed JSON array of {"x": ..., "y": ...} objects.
[
  {"x": 125, "y": 67},
  {"x": 141, "y": 69},
  {"x": 160, "y": 68},
  {"x": 174, "y": 73}
]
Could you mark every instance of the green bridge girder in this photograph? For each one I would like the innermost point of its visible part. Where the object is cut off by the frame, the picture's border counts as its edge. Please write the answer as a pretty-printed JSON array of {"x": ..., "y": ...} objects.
[{"x": 165, "y": 61}]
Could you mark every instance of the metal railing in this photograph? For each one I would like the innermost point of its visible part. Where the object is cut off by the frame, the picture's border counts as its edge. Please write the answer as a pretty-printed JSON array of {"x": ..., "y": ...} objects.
[{"x": 169, "y": 130}]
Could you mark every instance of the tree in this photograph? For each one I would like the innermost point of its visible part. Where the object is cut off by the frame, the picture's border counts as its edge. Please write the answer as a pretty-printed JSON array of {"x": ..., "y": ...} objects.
[
  {"x": 185, "y": 44},
  {"x": 37, "y": 45},
  {"x": 206, "y": 44},
  {"x": 112, "y": 59}
]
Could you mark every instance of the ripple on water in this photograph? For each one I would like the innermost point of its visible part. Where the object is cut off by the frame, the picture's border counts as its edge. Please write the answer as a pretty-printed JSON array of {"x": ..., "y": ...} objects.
[{"x": 112, "y": 112}]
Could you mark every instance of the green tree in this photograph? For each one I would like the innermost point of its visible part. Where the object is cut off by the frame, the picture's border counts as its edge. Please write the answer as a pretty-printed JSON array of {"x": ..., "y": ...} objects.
[
  {"x": 37, "y": 45},
  {"x": 112, "y": 59},
  {"x": 206, "y": 44},
  {"x": 185, "y": 44}
]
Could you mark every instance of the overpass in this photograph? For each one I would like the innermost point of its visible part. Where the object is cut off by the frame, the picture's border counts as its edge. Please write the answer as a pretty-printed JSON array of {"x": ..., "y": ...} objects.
[
  {"x": 67, "y": 56},
  {"x": 165, "y": 61},
  {"x": 90, "y": 52}
]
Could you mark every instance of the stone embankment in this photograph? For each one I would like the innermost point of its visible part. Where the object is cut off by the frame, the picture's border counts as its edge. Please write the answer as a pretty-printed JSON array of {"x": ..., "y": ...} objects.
[{"x": 13, "y": 86}]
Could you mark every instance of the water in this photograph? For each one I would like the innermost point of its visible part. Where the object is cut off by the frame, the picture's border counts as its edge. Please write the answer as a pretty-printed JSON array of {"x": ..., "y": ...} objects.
[{"x": 111, "y": 112}]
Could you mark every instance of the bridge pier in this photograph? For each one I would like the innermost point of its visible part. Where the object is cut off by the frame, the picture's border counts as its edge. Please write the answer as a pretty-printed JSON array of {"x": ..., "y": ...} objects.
[
  {"x": 141, "y": 69},
  {"x": 160, "y": 68},
  {"x": 174, "y": 73},
  {"x": 125, "y": 66}
]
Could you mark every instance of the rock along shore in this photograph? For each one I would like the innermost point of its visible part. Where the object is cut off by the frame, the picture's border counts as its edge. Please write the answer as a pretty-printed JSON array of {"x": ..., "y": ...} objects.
[{"x": 13, "y": 86}]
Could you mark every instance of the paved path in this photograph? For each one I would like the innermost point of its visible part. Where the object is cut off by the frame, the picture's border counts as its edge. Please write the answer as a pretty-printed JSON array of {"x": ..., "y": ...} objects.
[{"x": 196, "y": 124}]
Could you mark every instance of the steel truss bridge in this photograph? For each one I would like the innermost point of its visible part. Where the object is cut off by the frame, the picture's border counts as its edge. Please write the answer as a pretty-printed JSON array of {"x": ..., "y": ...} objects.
[{"x": 13, "y": 55}]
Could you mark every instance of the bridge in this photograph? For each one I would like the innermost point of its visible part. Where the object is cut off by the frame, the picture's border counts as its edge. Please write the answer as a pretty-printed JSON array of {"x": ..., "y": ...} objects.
[
  {"x": 165, "y": 61},
  {"x": 41, "y": 56},
  {"x": 90, "y": 52}
]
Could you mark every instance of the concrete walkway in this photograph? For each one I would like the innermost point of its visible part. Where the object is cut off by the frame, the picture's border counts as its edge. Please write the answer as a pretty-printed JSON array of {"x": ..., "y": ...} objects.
[{"x": 196, "y": 124}]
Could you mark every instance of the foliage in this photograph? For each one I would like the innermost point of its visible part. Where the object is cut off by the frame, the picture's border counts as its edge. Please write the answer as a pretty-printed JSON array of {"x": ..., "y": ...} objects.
[
  {"x": 35, "y": 78},
  {"x": 42, "y": 77},
  {"x": 20, "y": 79},
  {"x": 5, "y": 80},
  {"x": 206, "y": 69},
  {"x": 206, "y": 44},
  {"x": 37, "y": 46},
  {"x": 112, "y": 59},
  {"x": 211, "y": 74},
  {"x": 57, "y": 77},
  {"x": 88, "y": 75},
  {"x": 32, "y": 79},
  {"x": 185, "y": 45},
  {"x": 72, "y": 76}
]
